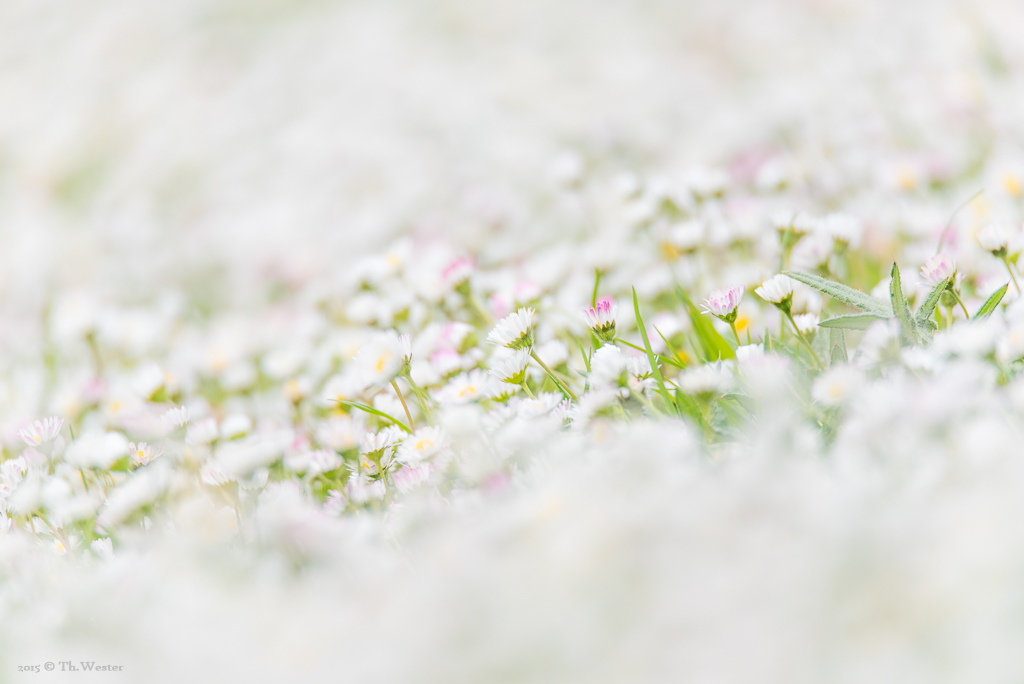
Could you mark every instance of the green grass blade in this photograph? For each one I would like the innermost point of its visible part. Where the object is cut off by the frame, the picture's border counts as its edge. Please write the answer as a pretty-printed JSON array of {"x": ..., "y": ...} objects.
[
  {"x": 657, "y": 356},
  {"x": 586, "y": 359},
  {"x": 675, "y": 353},
  {"x": 369, "y": 409},
  {"x": 669, "y": 404},
  {"x": 844, "y": 293},
  {"x": 713, "y": 345},
  {"x": 992, "y": 302}
]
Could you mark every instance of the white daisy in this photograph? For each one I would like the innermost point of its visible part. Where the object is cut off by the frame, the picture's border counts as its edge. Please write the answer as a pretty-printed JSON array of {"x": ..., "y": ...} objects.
[
  {"x": 41, "y": 431},
  {"x": 515, "y": 331},
  {"x": 512, "y": 368}
]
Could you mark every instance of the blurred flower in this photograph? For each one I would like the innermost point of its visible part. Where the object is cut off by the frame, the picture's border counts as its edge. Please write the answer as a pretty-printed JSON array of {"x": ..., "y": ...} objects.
[
  {"x": 937, "y": 269},
  {"x": 41, "y": 431}
]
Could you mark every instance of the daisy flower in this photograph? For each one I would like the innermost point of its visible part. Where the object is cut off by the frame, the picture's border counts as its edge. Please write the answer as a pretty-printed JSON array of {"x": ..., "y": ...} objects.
[
  {"x": 385, "y": 357},
  {"x": 938, "y": 268},
  {"x": 601, "y": 318},
  {"x": 141, "y": 453},
  {"x": 41, "y": 431},
  {"x": 421, "y": 445},
  {"x": 777, "y": 290},
  {"x": 467, "y": 387},
  {"x": 994, "y": 238},
  {"x": 723, "y": 303},
  {"x": 515, "y": 331},
  {"x": 456, "y": 274},
  {"x": 512, "y": 369}
]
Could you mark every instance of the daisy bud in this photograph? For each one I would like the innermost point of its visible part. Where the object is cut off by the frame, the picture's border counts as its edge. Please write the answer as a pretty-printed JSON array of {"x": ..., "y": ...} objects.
[
  {"x": 938, "y": 269},
  {"x": 601, "y": 318},
  {"x": 723, "y": 303},
  {"x": 515, "y": 331},
  {"x": 777, "y": 290}
]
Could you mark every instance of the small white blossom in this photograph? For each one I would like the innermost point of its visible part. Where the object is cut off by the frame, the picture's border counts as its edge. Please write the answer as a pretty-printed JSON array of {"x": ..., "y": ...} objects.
[
  {"x": 601, "y": 318},
  {"x": 41, "y": 431},
  {"x": 937, "y": 269},
  {"x": 776, "y": 289},
  {"x": 723, "y": 303},
  {"x": 515, "y": 331},
  {"x": 512, "y": 368}
]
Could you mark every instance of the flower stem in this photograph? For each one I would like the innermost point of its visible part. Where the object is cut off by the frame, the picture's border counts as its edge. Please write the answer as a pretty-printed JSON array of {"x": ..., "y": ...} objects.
[
  {"x": 526, "y": 388},
  {"x": 960, "y": 302},
  {"x": 402, "y": 399},
  {"x": 422, "y": 397},
  {"x": 803, "y": 339},
  {"x": 565, "y": 390},
  {"x": 1006, "y": 261},
  {"x": 732, "y": 324}
]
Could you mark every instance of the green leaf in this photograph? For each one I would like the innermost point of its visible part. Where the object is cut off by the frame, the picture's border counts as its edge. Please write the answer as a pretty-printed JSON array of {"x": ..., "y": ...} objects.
[
  {"x": 660, "y": 357},
  {"x": 908, "y": 328},
  {"x": 680, "y": 363},
  {"x": 669, "y": 404},
  {"x": 687, "y": 406},
  {"x": 837, "y": 340},
  {"x": 586, "y": 359},
  {"x": 850, "y": 321},
  {"x": 713, "y": 345},
  {"x": 844, "y": 293},
  {"x": 924, "y": 312},
  {"x": 992, "y": 302},
  {"x": 369, "y": 409}
]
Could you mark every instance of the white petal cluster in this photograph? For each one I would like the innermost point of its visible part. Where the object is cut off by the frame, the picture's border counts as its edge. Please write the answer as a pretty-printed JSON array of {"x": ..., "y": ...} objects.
[{"x": 776, "y": 289}]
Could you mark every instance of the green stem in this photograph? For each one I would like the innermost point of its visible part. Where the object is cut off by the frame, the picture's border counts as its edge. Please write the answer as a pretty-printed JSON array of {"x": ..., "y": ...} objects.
[
  {"x": 647, "y": 403},
  {"x": 402, "y": 399},
  {"x": 803, "y": 339},
  {"x": 565, "y": 390},
  {"x": 732, "y": 324},
  {"x": 960, "y": 302},
  {"x": 484, "y": 316},
  {"x": 422, "y": 397},
  {"x": 1006, "y": 261},
  {"x": 526, "y": 389}
]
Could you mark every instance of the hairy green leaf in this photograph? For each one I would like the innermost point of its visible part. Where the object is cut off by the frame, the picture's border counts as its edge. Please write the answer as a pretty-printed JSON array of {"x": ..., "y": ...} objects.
[
  {"x": 850, "y": 321},
  {"x": 924, "y": 312},
  {"x": 908, "y": 328},
  {"x": 837, "y": 340},
  {"x": 844, "y": 293}
]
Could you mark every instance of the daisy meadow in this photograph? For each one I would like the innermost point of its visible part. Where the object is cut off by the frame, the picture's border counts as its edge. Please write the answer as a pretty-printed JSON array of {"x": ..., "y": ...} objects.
[{"x": 410, "y": 342}]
